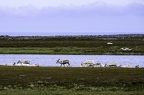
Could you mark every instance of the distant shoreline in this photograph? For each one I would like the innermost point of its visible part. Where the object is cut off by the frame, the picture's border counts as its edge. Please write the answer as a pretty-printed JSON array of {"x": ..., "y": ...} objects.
[{"x": 122, "y": 44}]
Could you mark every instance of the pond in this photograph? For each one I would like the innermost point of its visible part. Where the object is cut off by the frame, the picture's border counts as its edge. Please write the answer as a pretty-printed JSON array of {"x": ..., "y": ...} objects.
[{"x": 75, "y": 60}]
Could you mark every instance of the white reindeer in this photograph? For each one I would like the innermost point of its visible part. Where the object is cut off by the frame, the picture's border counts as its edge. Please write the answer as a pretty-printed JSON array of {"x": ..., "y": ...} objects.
[
  {"x": 98, "y": 65},
  {"x": 87, "y": 63},
  {"x": 37, "y": 65},
  {"x": 22, "y": 63},
  {"x": 126, "y": 66},
  {"x": 112, "y": 64}
]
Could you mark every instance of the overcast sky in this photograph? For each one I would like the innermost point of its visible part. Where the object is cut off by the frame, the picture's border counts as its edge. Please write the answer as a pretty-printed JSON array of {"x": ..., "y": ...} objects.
[{"x": 71, "y": 17}]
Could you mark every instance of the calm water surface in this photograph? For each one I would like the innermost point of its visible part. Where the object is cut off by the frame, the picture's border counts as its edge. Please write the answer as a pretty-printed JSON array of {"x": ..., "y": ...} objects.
[{"x": 75, "y": 60}]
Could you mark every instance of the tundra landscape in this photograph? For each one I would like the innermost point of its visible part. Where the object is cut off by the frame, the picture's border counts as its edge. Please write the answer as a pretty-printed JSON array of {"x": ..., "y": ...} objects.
[
  {"x": 16, "y": 80},
  {"x": 131, "y": 44}
]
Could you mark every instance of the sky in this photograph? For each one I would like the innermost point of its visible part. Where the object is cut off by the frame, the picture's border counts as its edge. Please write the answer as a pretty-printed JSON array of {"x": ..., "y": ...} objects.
[{"x": 71, "y": 17}]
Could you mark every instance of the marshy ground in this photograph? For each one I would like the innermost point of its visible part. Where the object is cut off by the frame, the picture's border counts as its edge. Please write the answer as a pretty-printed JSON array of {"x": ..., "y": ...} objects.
[
  {"x": 64, "y": 80},
  {"x": 98, "y": 44}
]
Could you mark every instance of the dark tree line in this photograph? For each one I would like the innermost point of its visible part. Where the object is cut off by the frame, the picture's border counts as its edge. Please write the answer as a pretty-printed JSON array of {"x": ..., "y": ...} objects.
[{"x": 76, "y": 37}]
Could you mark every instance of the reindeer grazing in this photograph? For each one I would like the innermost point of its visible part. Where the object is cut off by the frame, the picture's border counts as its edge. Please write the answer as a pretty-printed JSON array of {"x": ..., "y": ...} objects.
[
  {"x": 112, "y": 64},
  {"x": 137, "y": 66},
  {"x": 22, "y": 63},
  {"x": 87, "y": 63},
  {"x": 63, "y": 62}
]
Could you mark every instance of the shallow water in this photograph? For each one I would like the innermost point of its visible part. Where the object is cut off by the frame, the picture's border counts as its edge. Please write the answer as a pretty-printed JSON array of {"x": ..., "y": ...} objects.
[{"x": 75, "y": 60}]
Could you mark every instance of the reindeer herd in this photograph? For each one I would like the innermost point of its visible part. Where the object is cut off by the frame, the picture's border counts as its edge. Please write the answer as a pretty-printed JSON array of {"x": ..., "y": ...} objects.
[
  {"x": 66, "y": 63},
  {"x": 90, "y": 63}
]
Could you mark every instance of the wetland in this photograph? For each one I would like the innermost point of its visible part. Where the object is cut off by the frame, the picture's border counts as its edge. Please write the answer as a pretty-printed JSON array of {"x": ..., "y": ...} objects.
[{"x": 55, "y": 80}]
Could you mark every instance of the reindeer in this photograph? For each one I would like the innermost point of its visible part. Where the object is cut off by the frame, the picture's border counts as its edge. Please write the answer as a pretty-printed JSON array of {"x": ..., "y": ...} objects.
[
  {"x": 112, "y": 64},
  {"x": 22, "y": 63},
  {"x": 137, "y": 66},
  {"x": 87, "y": 63},
  {"x": 63, "y": 62}
]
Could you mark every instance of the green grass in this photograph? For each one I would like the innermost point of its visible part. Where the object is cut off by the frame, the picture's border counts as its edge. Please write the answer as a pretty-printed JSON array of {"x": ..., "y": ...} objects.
[
  {"x": 70, "y": 50},
  {"x": 40, "y": 91},
  {"x": 65, "y": 80},
  {"x": 67, "y": 77},
  {"x": 69, "y": 46}
]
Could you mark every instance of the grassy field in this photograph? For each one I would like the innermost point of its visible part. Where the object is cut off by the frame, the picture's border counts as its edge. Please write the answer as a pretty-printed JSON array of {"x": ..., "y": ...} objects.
[
  {"x": 66, "y": 92},
  {"x": 72, "y": 45},
  {"x": 71, "y": 80},
  {"x": 69, "y": 47}
]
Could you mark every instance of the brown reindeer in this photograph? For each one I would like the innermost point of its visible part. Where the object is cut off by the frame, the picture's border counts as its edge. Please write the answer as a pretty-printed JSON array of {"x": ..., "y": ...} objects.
[{"x": 63, "y": 62}]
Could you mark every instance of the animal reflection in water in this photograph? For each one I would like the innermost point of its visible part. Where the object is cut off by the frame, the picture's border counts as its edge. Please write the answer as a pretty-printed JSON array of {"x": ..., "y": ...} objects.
[{"x": 63, "y": 62}]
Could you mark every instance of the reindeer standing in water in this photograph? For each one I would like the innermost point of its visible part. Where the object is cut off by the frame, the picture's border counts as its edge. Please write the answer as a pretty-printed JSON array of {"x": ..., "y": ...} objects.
[{"x": 63, "y": 62}]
